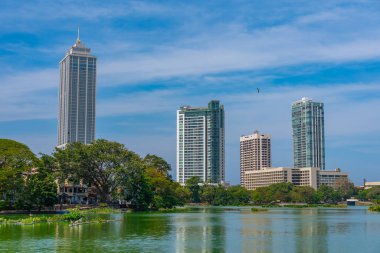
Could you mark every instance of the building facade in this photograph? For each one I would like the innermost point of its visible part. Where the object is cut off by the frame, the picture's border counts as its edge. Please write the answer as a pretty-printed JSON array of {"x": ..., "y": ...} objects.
[
  {"x": 255, "y": 153},
  {"x": 77, "y": 96},
  {"x": 200, "y": 143},
  {"x": 308, "y": 134},
  {"x": 313, "y": 177}
]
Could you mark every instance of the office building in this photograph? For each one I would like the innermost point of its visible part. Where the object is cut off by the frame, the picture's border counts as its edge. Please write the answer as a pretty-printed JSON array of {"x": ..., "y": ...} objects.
[
  {"x": 308, "y": 134},
  {"x": 200, "y": 143},
  {"x": 255, "y": 153},
  {"x": 77, "y": 96}
]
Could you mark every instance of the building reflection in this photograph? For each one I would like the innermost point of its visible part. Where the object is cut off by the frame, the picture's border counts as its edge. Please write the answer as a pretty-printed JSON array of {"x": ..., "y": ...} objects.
[
  {"x": 256, "y": 232},
  {"x": 202, "y": 231},
  {"x": 311, "y": 231}
]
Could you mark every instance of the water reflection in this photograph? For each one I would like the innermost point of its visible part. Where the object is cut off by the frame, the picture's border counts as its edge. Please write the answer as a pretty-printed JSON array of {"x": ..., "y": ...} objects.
[
  {"x": 256, "y": 232},
  {"x": 202, "y": 231},
  {"x": 311, "y": 230},
  {"x": 206, "y": 230}
]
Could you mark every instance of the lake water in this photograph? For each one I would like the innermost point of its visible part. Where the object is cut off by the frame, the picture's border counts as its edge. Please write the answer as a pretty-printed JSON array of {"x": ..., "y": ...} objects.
[{"x": 207, "y": 230}]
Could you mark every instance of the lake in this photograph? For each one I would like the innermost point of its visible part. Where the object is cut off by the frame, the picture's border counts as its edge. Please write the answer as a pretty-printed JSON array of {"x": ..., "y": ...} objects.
[{"x": 208, "y": 229}]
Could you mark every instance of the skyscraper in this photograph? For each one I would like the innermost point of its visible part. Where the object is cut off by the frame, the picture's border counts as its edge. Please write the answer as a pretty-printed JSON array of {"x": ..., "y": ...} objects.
[
  {"x": 308, "y": 134},
  {"x": 255, "y": 153},
  {"x": 200, "y": 143},
  {"x": 77, "y": 95}
]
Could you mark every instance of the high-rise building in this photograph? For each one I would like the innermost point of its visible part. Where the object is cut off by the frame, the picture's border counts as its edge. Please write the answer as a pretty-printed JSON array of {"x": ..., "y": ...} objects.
[
  {"x": 77, "y": 95},
  {"x": 308, "y": 134},
  {"x": 255, "y": 153},
  {"x": 200, "y": 143}
]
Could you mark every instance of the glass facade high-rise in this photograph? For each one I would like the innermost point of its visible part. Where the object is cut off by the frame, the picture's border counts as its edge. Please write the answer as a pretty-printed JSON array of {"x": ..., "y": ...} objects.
[
  {"x": 77, "y": 95},
  {"x": 200, "y": 143},
  {"x": 308, "y": 134}
]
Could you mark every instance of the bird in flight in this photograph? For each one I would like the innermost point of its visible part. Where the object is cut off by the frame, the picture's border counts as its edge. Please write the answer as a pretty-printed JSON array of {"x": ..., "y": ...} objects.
[{"x": 258, "y": 90}]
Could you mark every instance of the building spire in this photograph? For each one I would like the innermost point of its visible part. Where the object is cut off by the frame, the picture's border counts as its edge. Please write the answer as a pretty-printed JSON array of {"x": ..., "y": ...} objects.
[{"x": 78, "y": 39}]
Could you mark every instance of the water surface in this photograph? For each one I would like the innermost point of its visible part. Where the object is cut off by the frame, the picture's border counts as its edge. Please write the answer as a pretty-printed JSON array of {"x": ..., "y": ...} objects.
[{"x": 207, "y": 230}]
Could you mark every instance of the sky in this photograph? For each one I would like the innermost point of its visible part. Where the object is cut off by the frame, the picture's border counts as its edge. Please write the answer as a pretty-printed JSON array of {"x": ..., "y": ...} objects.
[{"x": 155, "y": 56}]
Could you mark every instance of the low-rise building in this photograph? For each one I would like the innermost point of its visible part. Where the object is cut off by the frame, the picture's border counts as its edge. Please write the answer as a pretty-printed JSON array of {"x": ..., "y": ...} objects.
[
  {"x": 313, "y": 177},
  {"x": 369, "y": 185}
]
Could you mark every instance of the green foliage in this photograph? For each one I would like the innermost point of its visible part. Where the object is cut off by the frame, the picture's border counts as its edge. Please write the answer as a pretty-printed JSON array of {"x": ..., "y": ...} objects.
[
  {"x": 136, "y": 186},
  {"x": 303, "y": 194},
  {"x": 193, "y": 185},
  {"x": 153, "y": 161},
  {"x": 166, "y": 193},
  {"x": 99, "y": 164},
  {"x": 327, "y": 194},
  {"x": 15, "y": 160},
  {"x": 274, "y": 193},
  {"x": 73, "y": 215},
  {"x": 375, "y": 208},
  {"x": 219, "y": 195},
  {"x": 16, "y": 155},
  {"x": 345, "y": 188},
  {"x": 287, "y": 192},
  {"x": 40, "y": 190}
]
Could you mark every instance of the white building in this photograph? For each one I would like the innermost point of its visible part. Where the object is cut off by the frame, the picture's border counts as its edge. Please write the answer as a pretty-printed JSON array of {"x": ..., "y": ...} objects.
[
  {"x": 312, "y": 177},
  {"x": 200, "y": 143},
  {"x": 77, "y": 95}
]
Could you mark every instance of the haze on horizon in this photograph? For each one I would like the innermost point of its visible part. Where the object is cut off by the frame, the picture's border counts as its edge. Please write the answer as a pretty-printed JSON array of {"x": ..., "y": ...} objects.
[{"x": 155, "y": 57}]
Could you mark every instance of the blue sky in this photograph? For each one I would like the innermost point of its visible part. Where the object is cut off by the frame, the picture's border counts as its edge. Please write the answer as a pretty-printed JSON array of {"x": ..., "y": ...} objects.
[{"x": 154, "y": 56}]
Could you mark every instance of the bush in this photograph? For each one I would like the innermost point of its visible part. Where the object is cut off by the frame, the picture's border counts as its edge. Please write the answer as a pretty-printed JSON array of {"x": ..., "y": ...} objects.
[
  {"x": 73, "y": 216},
  {"x": 374, "y": 208},
  {"x": 3, "y": 205}
]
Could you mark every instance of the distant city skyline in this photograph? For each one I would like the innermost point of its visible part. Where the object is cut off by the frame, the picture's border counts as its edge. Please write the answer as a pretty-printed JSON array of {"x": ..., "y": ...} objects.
[{"x": 156, "y": 56}]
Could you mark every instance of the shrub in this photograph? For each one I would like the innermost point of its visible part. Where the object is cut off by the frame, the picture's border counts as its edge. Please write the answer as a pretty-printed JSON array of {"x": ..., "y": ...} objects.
[{"x": 73, "y": 216}]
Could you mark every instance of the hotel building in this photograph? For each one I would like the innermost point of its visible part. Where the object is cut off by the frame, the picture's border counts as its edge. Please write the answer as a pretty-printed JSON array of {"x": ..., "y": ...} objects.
[{"x": 255, "y": 153}]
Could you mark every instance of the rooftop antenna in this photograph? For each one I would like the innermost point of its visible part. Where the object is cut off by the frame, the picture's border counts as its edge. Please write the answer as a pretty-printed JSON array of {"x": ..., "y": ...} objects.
[{"x": 78, "y": 40}]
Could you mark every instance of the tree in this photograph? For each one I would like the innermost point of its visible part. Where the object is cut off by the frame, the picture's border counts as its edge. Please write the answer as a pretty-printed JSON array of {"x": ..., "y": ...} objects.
[
  {"x": 97, "y": 165},
  {"x": 153, "y": 161},
  {"x": 238, "y": 195},
  {"x": 303, "y": 194},
  {"x": 15, "y": 159},
  {"x": 135, "y": 185},
  {"x": 373, "y": 194},
  {"x": 193, "y": 184},
  {"x": 345, "y": 188},
  {"x": 165, "y": 191},
  {"x": 16, "y": 155},
  {"x": 40, "y": 190},
  {"x": 327, "y": 194}
]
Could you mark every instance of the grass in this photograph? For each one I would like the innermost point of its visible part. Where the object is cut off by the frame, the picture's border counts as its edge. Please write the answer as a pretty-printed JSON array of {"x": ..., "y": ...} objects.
[{"x": 96, "y": 210}]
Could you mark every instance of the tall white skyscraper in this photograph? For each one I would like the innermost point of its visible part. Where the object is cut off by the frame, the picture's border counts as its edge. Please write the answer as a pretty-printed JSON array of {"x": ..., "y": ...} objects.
[
  {"x": 200, "y": 143},
  {"x": 255, "y": 153},
  {"x": 308, "y": 134},
  {"x": 77, "y": 96}
]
